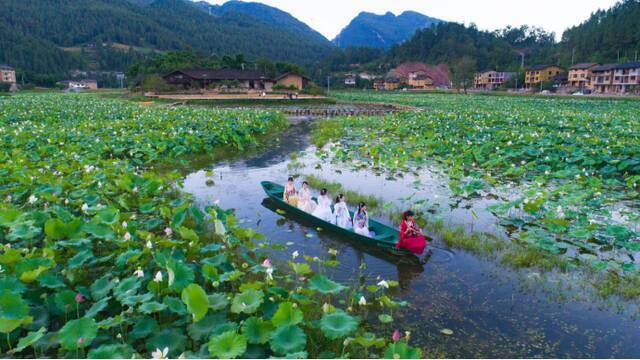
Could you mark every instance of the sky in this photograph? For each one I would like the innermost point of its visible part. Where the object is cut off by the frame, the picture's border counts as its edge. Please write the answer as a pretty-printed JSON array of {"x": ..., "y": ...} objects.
[{"x": 330, "y": 16}]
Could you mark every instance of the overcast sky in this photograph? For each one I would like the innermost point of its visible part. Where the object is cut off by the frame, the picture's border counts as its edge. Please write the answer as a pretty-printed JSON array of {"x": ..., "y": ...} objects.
[{"x": 330, "y": 16}]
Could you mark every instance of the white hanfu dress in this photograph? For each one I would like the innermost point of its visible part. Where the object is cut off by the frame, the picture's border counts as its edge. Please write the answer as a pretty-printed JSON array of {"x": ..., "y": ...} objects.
[
  {"x": 361, "y": 224},
  {"x": 323, "y": 210},
  {"x": 341, "y": 215},
  {"x": 305, "y": 202}
]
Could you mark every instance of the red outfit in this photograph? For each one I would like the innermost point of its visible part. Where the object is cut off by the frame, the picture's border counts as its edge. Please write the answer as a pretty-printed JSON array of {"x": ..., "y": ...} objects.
[{"x": 412, "y": 239}]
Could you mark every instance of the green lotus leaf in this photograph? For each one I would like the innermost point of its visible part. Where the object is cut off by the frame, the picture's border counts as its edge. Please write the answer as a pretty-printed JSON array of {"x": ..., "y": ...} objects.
[
  {"x": 218, "y": 301},
  {"x": 99, "y": 231},
  {"x": 77, "y": 334},
  {"x": 14, "y": 312},
  {"x": 31, "y": 338},
  {"x": 287, "y": 314},
  {"x": 55, "y": 229},
  {"x": 324, "y": 285},
  {"x": 97, "y": 307},
  {"x": 7, "y": 216},
  {"x": 143, "y": 326},
  {"x": 400, "y": 350},
  {"x": 172, "y": 338},
  {"x": 23, "y": 231},
  {"x": 49, "y": 280},
  {"x": 256, "y": 330},
  {"x": 127, "y": 287},
  {"x": 175, "y": 305},
  {"x": 205, "y": 327},
  {"x": 80, "y": 259},
  {"x": 385, "y": 318},
  {"x": 113, "y": 351},
  {"x": 151, "y": 307},
  {"x": 300, "y": 268},
  {"x": 247, "y": 302},
  {"x": 11, "y": 285},
  {"x": 65, "y": 300},
  {"x": 101, "y": 287},
  {"x": 338, "y": 324},
  {"x": 228, "y": 345},
  {"x": 288, "y": 339},
  {"x": 180, "y": 274},
  {"x": 368, "y": 340},
  {"x": 196, "y": 300}
]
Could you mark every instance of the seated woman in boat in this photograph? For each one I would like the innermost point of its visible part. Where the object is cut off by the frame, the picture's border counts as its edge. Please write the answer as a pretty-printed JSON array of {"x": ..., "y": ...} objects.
[
  {"x": 361, "y": 221},
  {"x": 341, "y": 213},
  {"x": 323, "y": 210},
  {"x": 305, "y": 202},
  {"x": 411, "y": 237},
  {"x": 290, "y": 195}
]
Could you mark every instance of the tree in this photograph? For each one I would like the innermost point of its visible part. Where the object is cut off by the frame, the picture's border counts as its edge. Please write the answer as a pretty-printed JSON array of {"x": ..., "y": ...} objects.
[{"x": 463, "y": 73}]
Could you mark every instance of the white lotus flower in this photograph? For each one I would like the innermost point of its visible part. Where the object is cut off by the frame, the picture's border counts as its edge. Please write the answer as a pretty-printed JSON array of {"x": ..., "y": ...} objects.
[
  {"x": 333, "y": 252},
  {"x": 160, "y": 354},
  {"x": 1, "y": 269},
  {"x": 325, "y": 308},
  {"x": 269, "y": 272},
  {"x": 124, "y": 224},
  {"x": 85, "y": 207},
  {"x": 149, "y": 244},
  {"x": 32, "y": 199},
  {"x": 383, "y": 284},
  {"x": 362, "y": 301},
  {"x": 139, "y": 273},
  {"x": 135, "y": 189},
  {"x": 295, "y": 254},
  {"x": 158, "y": 277}
]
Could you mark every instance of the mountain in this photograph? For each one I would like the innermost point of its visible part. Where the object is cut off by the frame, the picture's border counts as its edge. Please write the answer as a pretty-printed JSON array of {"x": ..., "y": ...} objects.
[
  {"x": 606, "y": 36},
  {"x": 267, "y": 14},
  {"x": 52, "y": 37},
  {"x": 382, "y": 31}
]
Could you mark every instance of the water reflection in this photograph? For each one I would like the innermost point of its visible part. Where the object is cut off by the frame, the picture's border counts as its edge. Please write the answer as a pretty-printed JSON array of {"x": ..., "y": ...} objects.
[{"x": 493, "y": 311}]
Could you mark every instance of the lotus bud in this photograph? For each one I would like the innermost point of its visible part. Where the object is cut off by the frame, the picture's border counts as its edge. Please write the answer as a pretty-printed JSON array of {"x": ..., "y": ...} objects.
[{"x": 396, "y": 336}]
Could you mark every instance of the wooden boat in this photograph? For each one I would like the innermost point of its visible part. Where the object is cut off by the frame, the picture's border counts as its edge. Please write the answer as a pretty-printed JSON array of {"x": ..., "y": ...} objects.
[{"x": 385, "y": 237}]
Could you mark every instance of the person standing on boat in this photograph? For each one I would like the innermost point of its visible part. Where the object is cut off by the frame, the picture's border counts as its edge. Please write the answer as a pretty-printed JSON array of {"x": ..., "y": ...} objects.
[
  {"x": 341, "y": 213},
  {"x": 361, "y": 220},
  {"x": 411, "y": 237},
  {"x": 305, "y": 202},
  {"x": 323, "y": 210},
  {"x": 290, "y": 195}
]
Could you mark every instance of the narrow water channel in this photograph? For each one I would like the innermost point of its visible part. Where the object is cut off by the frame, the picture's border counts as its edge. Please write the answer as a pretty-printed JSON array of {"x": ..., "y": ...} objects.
[{"x": 493, "y": 311}]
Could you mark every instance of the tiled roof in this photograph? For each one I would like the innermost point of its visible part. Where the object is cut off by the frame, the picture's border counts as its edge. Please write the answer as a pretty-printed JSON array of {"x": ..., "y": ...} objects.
[
  {"x": 5, "y": 67},
  {"x": 222, "y": 74},
  {"x": 583, "y": 66},
  {"x": 605, "y": 67},
  {"x": 540, "y": 67},
  {"x": 629, "y": 65},
  {"x": 291, "y": 73}
]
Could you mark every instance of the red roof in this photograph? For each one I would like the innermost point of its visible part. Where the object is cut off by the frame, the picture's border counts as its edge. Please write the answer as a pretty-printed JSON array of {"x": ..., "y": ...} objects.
[{"x": 438, "y": 73}]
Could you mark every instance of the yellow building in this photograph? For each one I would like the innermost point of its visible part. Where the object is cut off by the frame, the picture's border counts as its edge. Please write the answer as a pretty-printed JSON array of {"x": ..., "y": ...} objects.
[
  {"x": 580, "y": 75},
  {"x": 490, "y": 80},
  {"x": 540, "y": 73},
  {"x": 290, "y": 78}
]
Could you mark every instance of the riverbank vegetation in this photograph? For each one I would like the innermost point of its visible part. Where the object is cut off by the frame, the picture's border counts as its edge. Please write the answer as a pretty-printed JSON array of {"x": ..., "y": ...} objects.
[
  {"x": 565, "y": 171},
  {"x": 102, "y": 257}
]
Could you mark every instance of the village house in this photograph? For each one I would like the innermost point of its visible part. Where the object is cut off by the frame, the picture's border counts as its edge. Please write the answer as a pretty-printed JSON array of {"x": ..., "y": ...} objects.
[
  {"x": 206, "y": 78},
  {"x": 626, "y": 78},
  {"x": 8, "y": 75},
  {"x": 378, "y": 84},
  {"x": 350, "y": 80},
  {"x": 86, "y": 84},
  {"x": 602, "y": 78},
  {"x": 580, "y": 75},
  {"x": 489, "y": 80},
  {"x": 418, "y": 76},
  {"x": 291, "y": 78},
  {"x": 540, "y": 73},
  {"x": 366, "y": 76}
]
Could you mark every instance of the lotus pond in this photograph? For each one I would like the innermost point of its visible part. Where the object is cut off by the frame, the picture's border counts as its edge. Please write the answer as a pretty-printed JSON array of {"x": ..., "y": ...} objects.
[
  {"x": 566, "y": 170},
  {"x": 103, "y": 257}
]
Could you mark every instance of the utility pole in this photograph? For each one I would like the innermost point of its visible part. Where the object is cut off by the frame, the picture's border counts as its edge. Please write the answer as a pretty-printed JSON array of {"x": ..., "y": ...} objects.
[
  {"x": 328, "y": 84},
  {"x": 618, "y": 56},
  {"x": 522, "y": 60},
  {"x": 636, "y": 55},
  {"x": 573, "y": 56}
]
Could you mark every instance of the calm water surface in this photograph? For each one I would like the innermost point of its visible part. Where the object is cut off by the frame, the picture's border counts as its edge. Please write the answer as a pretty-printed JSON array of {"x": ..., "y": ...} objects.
[{"x": 493, "y": 311}]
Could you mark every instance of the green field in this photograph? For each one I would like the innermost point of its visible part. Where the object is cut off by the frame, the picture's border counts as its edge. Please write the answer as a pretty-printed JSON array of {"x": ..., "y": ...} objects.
[
  {"x": 102, "y": 257},
  {"x": 568, "y": 169}
]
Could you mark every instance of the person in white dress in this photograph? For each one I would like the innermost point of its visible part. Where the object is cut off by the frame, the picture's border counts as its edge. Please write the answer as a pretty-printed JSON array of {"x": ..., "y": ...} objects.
[
  {"x": 361, "y": 221},
  {"x": 341, "y": 213},
  {"x": 323, "y": 210},
  {"x": 305, "y": 202}
]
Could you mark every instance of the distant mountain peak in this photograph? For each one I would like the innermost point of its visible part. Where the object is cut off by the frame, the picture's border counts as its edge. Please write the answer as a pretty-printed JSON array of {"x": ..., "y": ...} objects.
[{"x": 382, "y": 31}]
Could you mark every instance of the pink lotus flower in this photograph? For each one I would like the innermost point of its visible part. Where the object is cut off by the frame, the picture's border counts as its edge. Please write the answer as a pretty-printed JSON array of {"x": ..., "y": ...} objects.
[
  {"x": 168, "y": 231},
  {"x": 79, "y": 298},
  {"x": 266, "y": 263},
  {"x": 396, "y": 336},
  {"x": 81, "y": 341},
  {"x": 127, "y": 236}
]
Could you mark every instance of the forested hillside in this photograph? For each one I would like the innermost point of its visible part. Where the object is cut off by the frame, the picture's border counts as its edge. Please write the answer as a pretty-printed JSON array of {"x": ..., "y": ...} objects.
[
  {"x": 35, "y": 32},
  {"x": 606, "y": 35}
]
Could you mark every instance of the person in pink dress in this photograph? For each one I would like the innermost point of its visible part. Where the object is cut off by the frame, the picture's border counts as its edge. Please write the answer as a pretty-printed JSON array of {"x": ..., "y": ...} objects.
[{"x": 411, "y": 237}]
